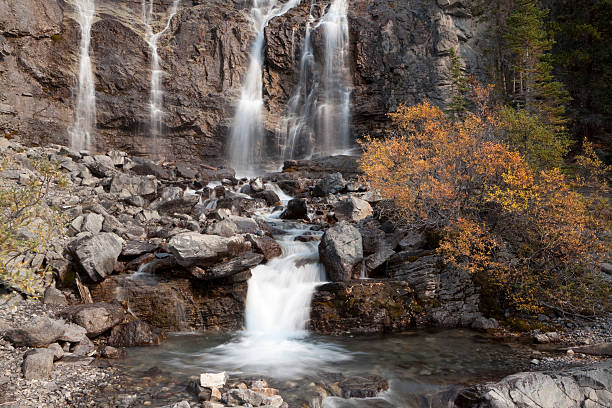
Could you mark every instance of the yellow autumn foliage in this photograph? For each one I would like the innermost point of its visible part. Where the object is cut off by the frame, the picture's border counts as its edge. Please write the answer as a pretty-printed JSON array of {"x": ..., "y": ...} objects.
[{"x": 530, "y": 237}]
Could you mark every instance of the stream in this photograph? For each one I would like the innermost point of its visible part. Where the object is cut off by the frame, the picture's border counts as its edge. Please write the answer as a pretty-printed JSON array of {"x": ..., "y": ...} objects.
[{"x": 423, "y": 367}]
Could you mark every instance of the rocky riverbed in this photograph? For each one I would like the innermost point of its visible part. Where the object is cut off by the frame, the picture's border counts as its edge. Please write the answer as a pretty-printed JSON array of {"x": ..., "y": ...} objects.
[{"x": 151, "y": 248}]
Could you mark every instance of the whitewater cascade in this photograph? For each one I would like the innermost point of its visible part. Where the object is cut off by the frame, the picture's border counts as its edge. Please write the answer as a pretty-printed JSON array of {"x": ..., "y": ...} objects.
[
  {"x": 334, "y": 112},
  {"x": 318, "y": 113},
  {"x": 275, "y": 341},
  {"x": 85, "y": 111},
  {"x": 247, "y": 135},
  {"x": 297, "y": 131},
  {"x": 156, "y": 97}
]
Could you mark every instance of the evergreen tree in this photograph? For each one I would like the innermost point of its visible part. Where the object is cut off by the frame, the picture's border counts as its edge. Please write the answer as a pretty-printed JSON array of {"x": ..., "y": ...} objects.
[
  {"x": 533, "y": 86},
  {"x": 459, "y": 88}
]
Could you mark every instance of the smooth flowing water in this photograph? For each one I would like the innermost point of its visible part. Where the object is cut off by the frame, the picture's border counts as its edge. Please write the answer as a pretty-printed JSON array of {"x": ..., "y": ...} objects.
[
  {"x": 247, "y": 135},
  {"x": 297, "y": 131},
  {"x": 334, "y": 111},
  {"x": 81, "y": 132},
  {"x": 422, "y": 367},
  {"x": 156, "y": 97},
  {"x": 318, "y": 113}
]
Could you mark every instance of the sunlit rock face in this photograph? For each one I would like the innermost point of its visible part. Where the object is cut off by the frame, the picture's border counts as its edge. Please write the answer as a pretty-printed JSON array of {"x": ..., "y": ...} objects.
[{"x": 398, "y": 51}]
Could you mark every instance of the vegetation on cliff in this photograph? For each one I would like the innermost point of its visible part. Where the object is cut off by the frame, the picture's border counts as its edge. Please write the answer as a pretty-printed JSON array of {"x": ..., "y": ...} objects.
[{"x": 528, "y": 231}]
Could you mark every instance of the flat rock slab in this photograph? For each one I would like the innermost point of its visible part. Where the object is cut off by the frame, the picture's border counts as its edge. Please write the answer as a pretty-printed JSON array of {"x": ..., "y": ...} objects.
[{"x": 96, "y": 318}]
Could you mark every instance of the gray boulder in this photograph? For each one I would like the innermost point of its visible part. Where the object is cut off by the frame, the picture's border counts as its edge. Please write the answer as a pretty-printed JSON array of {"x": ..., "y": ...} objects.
[
  {"x": 96, "y": 318},
  {"x": 341, "y": 251},
  {"x": 223, "y": 228},
  {"x": 330, "y": 184},
  {"x": 97, "y": 254},
  {"x": 577, "y": 387},
  {"x": 38, "y": 364},
  {"x": 55, "y": 297},
  {"x": 92, "y": 222},
  {"x": 182, "y": 205},
  {"x": 39, "y": 332},
  {"x": 352, "y": 209},
  {"x": 134, "y": 185},
  {"x": 192, "y": 248},
  {"x": 240, "y": 397},
  {"x": 233, "y": 266}
]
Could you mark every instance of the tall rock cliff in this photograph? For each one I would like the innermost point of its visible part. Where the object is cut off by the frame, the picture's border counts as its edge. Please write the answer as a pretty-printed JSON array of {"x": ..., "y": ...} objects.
[{"x": 399, "y": 53}]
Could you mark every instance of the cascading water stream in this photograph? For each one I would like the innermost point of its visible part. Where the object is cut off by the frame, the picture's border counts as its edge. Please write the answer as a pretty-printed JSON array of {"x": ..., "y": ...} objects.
[
  {"x": 276, "y": 340},
  {"x": 247, "y": 135},
  {"x": 318, "y": 113},
  {"x": 334, "y": 111},
  {"x": 81, "y": 132},
  {"x": 156, "y": 97},
  {"x": 297, "y": 130}
]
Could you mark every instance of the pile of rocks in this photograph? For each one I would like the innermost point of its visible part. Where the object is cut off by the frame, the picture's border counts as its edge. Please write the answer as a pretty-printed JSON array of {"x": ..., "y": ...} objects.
[{"x": 215, "y": 391}]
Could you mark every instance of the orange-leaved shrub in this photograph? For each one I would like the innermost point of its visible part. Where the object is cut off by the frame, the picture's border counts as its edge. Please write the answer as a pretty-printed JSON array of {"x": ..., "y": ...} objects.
[{"x": 530, "y": 237}]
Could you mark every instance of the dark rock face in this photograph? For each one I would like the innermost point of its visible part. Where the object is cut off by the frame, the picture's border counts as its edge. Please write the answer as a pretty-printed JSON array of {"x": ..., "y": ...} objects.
[
  {"x": 399, "y": 53},
  {"x": 296, "y": 210},
  {"x": 363, "y": 307},
  {"x": 448, "y": 295}
]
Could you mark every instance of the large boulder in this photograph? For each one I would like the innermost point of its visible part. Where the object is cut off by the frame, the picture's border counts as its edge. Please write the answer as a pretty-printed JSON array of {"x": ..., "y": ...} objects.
[
  {"x": 97, "y": 254},
  {"x": 296, "y": 210},
  {"x": 134, "y": 185},
  {"x": 224, "y": 228},
  {"x": 265, "y": 245},
  {"x": 269, "y": 196},
  {"x": 182, "y": 205},
  {"x": 38, "y": 364},
  {"x": 136, "y": 333},
  {"x": 192, "y": 248},
  {"x": 577, "y": 387},
  {"x": 96, "y": 318},
  {"x": 352, "y": 209},
  {"x": 330, "y": 184},
  {"x": 39, "y": 332},
  {"x": 341, "y": 251},
  {"x": 233, "y": 266}
]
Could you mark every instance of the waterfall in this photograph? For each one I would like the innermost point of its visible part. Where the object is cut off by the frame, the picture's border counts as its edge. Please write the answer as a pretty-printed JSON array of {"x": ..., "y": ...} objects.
[
  {"x": 334, "y": 112},
  {"x": 85, "y": 111},
  {"x": 275, "y": 341},
  {"x": 247, "y": 134},
  {"x": 318, "y": 113},
  {"x": 297, "y": 130},
  {"x": 279, "y": 293},
  {"x": 156, "y": 97}
]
